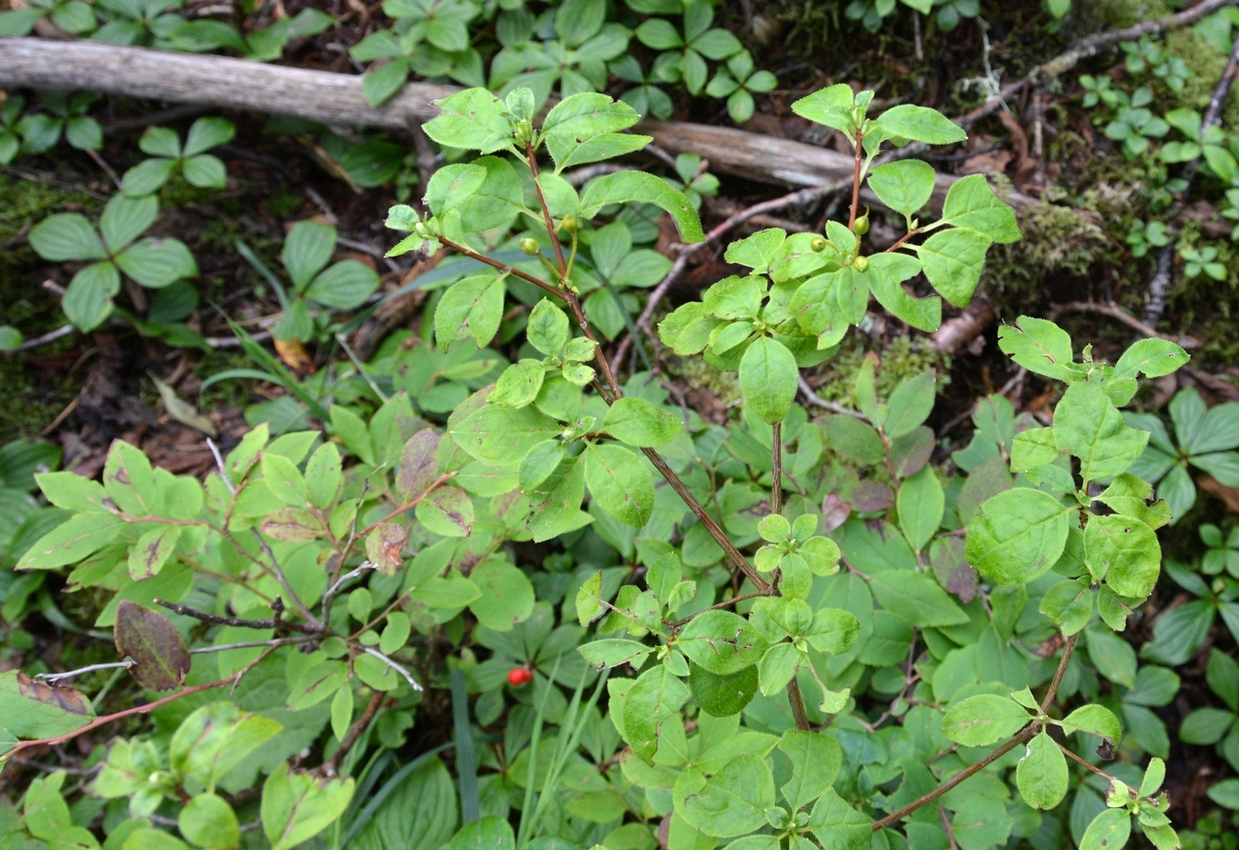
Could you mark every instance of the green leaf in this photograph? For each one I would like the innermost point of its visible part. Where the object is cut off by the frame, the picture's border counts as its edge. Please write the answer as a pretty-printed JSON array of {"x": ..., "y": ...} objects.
[
  {"x": 519, "y": 384},
  {"x": 488, "y": 833},
  {"x": 1108, "y": 831},
  {"x": 1042, "y": 774},
  {"x": 984, "y": 719},
  {"x": 832, "y": 106},
  {"x": 72, "y": 491},
  {"x": 507, "y": 597},
  {"x": 916, "y": 598},
  {"x": 32, "y": 709},
  {"x": 297, "y": 806},
  {"x": 1125, "y": 552},
  {"x": 473, "y": 120},
  {"x": 148, "y": 176},
  {"x": 503, "y": 435},
  {"x": 910, "y": 405},
  {"x": 838, "y": 826},
  {"x": 584, "y": 128},
  {"x": 205, "y": 171},
  {"x": 637, "y": 422},
  {"x": 625, "y": 186},
  {"x": 953, "y": 260},
  {"x": 471, "y": 307},
  {"x": 778, "y": 667},
  {"x": 324, "y": 475},
  {"x": 620, "y": 483},
  {"x": 66, "y": 236},
  {"x": 447, "y": 511},
  {"x": 80, "y": 536},
  {"x": 768, "y": 379},
  {"x": 207, "y": 821},
  {"x": 156, "y": 263},
  {"x": 722, "y": 696},
  {"x": 307, "y": 250},
  {"x": 1096, "y": 719},
  {"x": 159, "y": 658},
  {"x": 124, "y": 219},
  {"x": 721, "y": 642},
  {"x": 971, "y": 205},
  {"x": 921, "y": 504},
  {"x": 920, "y": 124},
  {"x": 343, "y": 286},
  {"x": 1017, "y": 535},
  {"x": 1039, "y": 346},
  {"x": 152, "y": 550},
  {"x": 904, "y": 186},
  {"x": 1152, "y": 358},
  {"x": 733, "y": 801},
  {"x": 611, "y": 652},
  {"x": 88, "y": 300},
  {"x": 816, "y": 760},
  {"x": 547, "y": 329},
  {"x": 215, "y": 738},
  {"x": 654, "y": 697},
  {"x": 1089, "y": 426},
  {"x": 207, "y": 133}
]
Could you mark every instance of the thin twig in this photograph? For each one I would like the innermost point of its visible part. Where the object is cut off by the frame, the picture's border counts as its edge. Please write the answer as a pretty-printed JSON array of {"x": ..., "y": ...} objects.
[
  {"x": 44, "y": 339},
  {"x": 833, "y": 406},
  {"x": 53, "y": 678},
  {"x": 408, "y": 677},
  {"x": 1116, "y": 312},
  {"x": 776, "y": 471}
]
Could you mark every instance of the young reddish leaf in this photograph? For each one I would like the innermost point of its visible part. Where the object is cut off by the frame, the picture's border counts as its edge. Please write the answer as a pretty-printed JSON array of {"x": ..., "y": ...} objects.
[{"x": 160, "y": 659}]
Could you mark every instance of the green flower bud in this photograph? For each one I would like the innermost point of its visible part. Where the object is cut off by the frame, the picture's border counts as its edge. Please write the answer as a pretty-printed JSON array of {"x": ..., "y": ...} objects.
[
  {"x": 530, "y": 246},
  {"x": 861, "y": 264},
  {"x": 569, "y": 224},
  {"x": 861, "y": 226},
  {"x": 818, "y": 244}
]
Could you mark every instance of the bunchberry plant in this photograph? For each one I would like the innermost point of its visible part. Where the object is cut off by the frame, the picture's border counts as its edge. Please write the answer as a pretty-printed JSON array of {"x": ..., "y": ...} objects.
[
  {"x": 108, "y": 252},
  {"x": 168, "y": 156},
  {"x": 1204, "y": 438}
]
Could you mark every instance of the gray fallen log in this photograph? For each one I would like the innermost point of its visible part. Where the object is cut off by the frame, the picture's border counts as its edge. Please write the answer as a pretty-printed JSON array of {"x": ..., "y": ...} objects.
[{"x": 337, "y": 99}]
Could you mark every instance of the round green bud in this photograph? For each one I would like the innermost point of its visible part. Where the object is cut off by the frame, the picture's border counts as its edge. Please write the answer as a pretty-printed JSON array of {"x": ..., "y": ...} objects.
[
  {"x": 861, "y": 226},
  {"x": 818, "y": 244},
  {"x": 569, "y": 224},
  {"x": 861, "y": 264},
  {"x": 529, "y": 245}
]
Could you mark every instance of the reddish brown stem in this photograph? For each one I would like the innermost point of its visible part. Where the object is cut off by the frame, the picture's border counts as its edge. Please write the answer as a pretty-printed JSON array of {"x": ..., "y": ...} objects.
[
  {"x": 1023, "y": 736},
  {"x": 495, "y": 264},
  {"x": 332, "y": 764},
  {"x": 546, "y": 215},
  {"x": 860, "y": 153},
  {"x": 796, "y": 700},
  {"x": 776, "y": 471},
  {"x": 447, "y": 476}
]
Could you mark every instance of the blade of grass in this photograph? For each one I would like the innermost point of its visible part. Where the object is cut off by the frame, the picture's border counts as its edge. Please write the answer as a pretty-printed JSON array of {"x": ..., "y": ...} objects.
[
  {"x": 522, "y": 835},
  {"x": 259, "y": 266},
  {"x": 564, "y": 750},
  {"x": 466, "y": 756}
]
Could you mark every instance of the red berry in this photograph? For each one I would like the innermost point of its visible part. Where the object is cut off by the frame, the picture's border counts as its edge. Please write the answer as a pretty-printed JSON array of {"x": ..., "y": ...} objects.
[{"x": 518, "y": 676}]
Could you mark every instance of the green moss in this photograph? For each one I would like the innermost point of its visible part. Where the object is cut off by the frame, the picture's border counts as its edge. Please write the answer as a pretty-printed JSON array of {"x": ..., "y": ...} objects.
[
  {"x": 696, "y": 372},
  {"x": 1058, "y": 242},
  {"x": 901, "y": 358},
  {"x": 30, "y": 399}
]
